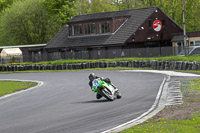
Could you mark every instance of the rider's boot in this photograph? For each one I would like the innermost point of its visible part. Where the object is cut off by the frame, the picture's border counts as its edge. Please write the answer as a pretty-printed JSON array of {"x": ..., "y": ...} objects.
[{"x": 98, "y": 96}]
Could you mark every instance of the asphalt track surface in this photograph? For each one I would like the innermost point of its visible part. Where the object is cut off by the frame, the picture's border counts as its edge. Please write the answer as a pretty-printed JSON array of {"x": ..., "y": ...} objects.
[{"x": 65, "y": 103}]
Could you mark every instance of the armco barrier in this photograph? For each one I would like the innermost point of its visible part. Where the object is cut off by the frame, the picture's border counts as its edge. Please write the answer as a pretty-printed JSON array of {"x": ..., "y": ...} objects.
[{"x": 159, "y": 65}]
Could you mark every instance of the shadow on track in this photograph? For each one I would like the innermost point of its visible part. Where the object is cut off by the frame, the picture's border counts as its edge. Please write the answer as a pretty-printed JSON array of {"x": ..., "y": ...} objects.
[{"x": 94, "y": 101}]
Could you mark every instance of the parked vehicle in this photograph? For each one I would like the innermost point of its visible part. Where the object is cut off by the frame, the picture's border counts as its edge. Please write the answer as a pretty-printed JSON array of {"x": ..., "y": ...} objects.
[
  {"x": 192, "y": 50},
  {"x": 104, "y": 89}
]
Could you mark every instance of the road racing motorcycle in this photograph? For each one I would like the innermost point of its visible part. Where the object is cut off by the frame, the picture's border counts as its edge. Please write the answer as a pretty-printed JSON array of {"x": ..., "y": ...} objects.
[{"x": 105, "y": 89}]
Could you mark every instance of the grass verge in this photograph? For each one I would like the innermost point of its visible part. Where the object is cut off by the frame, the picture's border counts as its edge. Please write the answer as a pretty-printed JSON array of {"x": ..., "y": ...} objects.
[
  {"x": 8, "y": 87},
  {"x": 183, "y": 118}
]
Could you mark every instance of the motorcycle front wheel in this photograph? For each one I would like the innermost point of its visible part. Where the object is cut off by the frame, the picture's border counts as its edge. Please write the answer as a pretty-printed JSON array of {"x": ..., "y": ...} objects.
[{"x": 107, "y": 94}]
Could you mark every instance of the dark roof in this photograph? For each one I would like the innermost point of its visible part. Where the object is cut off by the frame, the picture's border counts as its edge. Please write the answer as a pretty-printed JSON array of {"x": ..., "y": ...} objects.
[
  {"x": 177, "y": 38},
  {"x": 97, "y": 16},
  {"x": 135, "y": 20},
  {"x": 87, "y": 41},
  {"x": 59, "y": 39}
]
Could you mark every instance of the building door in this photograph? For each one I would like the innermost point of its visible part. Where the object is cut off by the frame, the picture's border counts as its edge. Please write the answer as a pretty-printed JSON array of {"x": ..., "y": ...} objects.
[
  {"x": 36, "y": 56},
  {"x": 180, "y": 47}
]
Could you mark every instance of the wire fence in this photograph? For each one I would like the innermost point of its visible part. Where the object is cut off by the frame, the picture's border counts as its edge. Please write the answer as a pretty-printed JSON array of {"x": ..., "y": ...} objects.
[{"x": 38, "y": 56}]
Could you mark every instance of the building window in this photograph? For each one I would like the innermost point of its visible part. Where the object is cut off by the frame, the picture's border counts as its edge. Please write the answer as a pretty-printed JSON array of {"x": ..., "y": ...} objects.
[
  {"x": 55, "y": 55},
  {"x": 197, "y": 43},
  {"x": 90, "y": 29},
  {"x": 76, "y": 30},
  {"x": 104, "y": 27},
  {"x": 36, "y": 56},
  {"x": 100, "y": 28}
]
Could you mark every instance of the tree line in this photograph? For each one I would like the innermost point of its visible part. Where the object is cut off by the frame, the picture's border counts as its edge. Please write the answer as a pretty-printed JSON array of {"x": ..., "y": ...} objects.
[{"x": 37, "y": 21}]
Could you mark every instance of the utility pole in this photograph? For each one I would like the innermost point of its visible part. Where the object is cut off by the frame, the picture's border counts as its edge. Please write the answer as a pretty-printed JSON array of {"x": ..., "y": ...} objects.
[
  {"x": 80, "y": 7},
  {"x": 184, "y": 30}
]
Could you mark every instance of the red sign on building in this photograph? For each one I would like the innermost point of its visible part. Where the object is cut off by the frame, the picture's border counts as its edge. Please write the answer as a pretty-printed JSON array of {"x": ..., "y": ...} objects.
[{"x": 157, "y": 25}]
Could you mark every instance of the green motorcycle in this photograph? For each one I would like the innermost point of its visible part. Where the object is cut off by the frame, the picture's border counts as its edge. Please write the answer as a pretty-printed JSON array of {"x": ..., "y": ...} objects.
[{"x": 105, "y": 89}]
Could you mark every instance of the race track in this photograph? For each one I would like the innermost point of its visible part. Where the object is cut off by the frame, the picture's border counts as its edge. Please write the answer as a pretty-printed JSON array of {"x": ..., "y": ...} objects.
[{"x": 65, "y": 103}]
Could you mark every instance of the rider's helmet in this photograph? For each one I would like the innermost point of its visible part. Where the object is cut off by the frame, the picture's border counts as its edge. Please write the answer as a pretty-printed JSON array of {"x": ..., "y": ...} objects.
[{"x": 91, "y": 76}]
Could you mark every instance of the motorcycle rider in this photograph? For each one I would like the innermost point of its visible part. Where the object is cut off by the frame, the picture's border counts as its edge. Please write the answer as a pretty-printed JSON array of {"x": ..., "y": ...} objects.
[{"x": 92, "y": 76}]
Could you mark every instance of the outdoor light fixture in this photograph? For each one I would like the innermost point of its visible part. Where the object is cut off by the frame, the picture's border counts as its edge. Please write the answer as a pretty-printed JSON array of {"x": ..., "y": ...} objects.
[{"x": 148, "y": 38}]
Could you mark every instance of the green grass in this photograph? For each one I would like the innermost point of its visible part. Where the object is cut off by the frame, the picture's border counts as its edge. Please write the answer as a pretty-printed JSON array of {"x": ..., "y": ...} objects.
[
  {"x": 190, "y": 87},
  {"x": 173, "y": 126},
  {"x": 191, "y": 125},
  {"x": 167, "y": 58},
  {"x": 8, "y": 87}
]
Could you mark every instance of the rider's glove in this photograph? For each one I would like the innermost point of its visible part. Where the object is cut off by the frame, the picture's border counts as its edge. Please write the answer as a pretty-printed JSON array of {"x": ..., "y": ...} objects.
[{"x": 94, "y": 89}]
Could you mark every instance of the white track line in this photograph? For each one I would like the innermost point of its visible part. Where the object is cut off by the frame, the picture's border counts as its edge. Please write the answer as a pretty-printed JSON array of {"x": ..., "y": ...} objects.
[
  {"x": 142, "y": 117},
  {"x": 159, "y": 103},
  {"x": 170, "y": 73}
]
